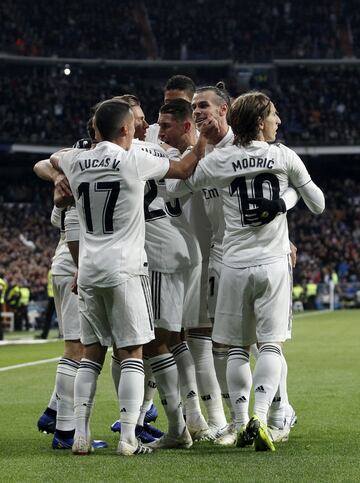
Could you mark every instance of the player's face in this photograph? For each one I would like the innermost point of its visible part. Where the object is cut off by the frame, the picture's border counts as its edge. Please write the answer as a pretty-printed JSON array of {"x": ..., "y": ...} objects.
[
  {"x": 204, "y": 105},
  {"x": 140, "y": 123},
  {"x": 175, "y": 94},
  {"x": 271, "y": 124},
  {"x": 171, "y": 130}
]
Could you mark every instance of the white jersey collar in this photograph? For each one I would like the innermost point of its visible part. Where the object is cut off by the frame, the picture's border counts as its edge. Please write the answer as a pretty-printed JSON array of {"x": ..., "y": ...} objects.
[{"x": 226, "y": 139}]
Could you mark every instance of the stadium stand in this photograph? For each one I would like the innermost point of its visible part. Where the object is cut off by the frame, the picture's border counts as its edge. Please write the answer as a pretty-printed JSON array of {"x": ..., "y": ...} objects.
[
  {"x": 187, "y": 30},
  {"x": 40, "y": 105}
]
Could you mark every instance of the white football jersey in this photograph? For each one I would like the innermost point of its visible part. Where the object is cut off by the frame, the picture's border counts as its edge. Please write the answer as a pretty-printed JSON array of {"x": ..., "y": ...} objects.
[
  {"x": 62, "y": 262},
  {"x": 213, "y": 204},
  {"x": 259, "y": 170},
  {"x": 169, "y": 242},
  {"x": 108, "y": 186},
  {"x": 204, "y": 210}
]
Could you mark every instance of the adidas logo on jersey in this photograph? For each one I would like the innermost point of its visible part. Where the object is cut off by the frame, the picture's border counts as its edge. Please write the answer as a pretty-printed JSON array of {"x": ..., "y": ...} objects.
[
  {"x": 123, "y": 410},
  {"x": 191, "y": 394},
  {"x": 225, "y": 395},
  {"x": 152, "y": 384},
  {"x": 240, "y": 400},
  {"x": 206, "y": 398},
  {"x": 260, "y": 389}
]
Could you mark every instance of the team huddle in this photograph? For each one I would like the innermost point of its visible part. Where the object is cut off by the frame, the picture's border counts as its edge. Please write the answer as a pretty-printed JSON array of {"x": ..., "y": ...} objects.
[{"x": 175, "y": 251}]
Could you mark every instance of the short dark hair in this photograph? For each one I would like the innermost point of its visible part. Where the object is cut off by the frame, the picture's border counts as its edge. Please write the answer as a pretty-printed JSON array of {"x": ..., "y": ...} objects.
[
  {"x": 180, "y": 109},
  {"x": 109, "y": 116},
  {"x": 220, "y": 92},
  {"x": 245, "y": 113},
  {"x": 181, "y": 83}
]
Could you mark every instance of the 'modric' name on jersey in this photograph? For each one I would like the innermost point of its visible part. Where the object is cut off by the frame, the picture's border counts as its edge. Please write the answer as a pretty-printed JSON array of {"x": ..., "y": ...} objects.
[
  {"x": 259, "y": 170},
  {"x": 109, "y": 198},
  {"x": 246, "y": 163},
  {"x": 169, "y": 242}
]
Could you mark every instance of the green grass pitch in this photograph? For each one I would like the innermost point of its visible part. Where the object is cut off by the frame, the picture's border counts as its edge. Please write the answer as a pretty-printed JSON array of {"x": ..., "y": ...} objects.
[{"x": 324, "y": 388}]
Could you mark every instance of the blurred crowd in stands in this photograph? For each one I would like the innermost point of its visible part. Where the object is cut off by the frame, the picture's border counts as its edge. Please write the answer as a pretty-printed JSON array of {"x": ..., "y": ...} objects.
[
  {"x": 244, "y": 30},
  {"x": 41, "y": 105},
  {"x": 27, "y": 239},
  {"x": 329, "y": 246}
]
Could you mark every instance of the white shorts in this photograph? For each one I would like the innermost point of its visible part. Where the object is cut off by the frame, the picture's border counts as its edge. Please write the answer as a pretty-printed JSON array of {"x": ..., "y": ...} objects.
[
  {"x": 120, "y": 315},
  {"x": 214, "y": 273},
  {"x": 254, "y": 304},
  {"x": 176, "y": 298},
  {"x": 67, "y": 308}
]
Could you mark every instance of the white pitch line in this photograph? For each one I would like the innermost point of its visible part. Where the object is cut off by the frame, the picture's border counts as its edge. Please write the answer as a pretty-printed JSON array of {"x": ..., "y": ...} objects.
[{"x": 27, "y": 364}]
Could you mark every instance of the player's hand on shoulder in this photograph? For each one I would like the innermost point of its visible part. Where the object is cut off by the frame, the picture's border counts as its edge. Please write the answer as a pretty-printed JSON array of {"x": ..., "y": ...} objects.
[{"x": 264, "y": 212}]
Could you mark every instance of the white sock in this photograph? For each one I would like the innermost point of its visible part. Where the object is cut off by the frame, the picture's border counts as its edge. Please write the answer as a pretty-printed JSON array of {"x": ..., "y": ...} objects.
[
  {"x": 65, "y": 378},
  {"x": 280, "y": 401},
  {"x": 149, "y": 391},
  {"x": 266, "y": 378},
  {"x": 167, "y": 378},
  {"x": 201, "y": 349},
  {"x": 187, "y": 377},
  {"x": 238, "y": 375},
  {"x": 131, "y": 395},
  {"x": 220, "y": 355},
  {"x": 115, "y": 372},
  {"x": 84, "y": 394},
  {"x": 53, "y": 401}
]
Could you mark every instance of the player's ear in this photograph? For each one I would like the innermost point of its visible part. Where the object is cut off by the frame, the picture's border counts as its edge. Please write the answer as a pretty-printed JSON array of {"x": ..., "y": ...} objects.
[
  {"x": 223, "y": 109},
  {"x": 260, "y": 124},
  {"x": 124, "y": 130},
  {"x": 187, "y": 126}
]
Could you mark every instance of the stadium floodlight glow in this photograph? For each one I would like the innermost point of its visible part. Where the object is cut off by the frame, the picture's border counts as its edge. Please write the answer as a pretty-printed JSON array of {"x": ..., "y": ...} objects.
[{"x": 67, "y": 70}]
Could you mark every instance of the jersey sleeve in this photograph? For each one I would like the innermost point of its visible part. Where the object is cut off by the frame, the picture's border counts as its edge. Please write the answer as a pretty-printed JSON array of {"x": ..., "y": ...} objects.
[
  {"x": 56, "y": 216},
  {"x": 177, "y": 188},
  {"x": 66, "y": 160},
  {"x": 297, "y": 172},
  {"x": 204, "y": 174},
  {"x": 72, "y": 226},
  {"x": 150, "y": 166}
]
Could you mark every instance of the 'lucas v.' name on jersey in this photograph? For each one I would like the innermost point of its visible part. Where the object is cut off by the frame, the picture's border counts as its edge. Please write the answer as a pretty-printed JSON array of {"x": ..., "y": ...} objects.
[
  {"x": 259, "y": 170},
  {"x": 108, "y": 186}
]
